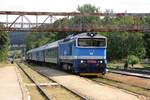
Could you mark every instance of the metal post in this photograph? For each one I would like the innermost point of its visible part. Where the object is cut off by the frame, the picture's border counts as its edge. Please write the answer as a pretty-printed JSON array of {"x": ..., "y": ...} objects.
[
  {"x": 22, "y": 22},
  {"x": 51, "y": 19},
  {"x": 36, "y": 21},
  {"x": 7, "y": 21},
  {"x": 28, "y": 21}
]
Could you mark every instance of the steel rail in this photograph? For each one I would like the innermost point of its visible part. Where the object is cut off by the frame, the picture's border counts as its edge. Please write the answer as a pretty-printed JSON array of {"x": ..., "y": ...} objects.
[
  {"x": 130, "y": 74},
  {"x": 130, "y": 91},
  {"x": 47, "y": 97},
  {"x": 72, "y": 91},
  {"x": 97, "y": 80}
]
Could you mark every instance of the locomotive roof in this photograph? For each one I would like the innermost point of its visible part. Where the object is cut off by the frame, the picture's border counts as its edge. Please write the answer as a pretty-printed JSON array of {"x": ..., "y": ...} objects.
[{"x": 85, "y": 35}]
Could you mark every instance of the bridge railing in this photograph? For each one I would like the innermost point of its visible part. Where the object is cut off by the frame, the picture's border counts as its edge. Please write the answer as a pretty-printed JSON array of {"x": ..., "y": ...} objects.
[{"x": 80, "y": 28}]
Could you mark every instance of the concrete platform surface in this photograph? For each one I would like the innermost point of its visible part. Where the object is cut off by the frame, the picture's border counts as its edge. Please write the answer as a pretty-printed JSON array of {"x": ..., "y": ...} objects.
[{"x": 9, "y": 84}]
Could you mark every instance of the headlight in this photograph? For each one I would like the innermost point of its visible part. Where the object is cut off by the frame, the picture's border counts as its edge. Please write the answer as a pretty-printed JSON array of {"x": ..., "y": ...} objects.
[
  {"x": 82, "y": 61},
  {"x": 100, "y": 61}
]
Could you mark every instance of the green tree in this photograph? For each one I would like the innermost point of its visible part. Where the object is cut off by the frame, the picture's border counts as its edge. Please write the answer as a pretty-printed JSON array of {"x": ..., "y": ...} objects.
[
  {"x": 3, "y": 46},
  {"x": 116, "y": 45},
  {"x": 35, "y": 39},
  {"x": 135, "y": 45},
  {"x": 107, "y": 20},
  {"x": 147, "y": 43},
  {"x": 64, "y": 24},
  {"x": 122, "y": 44},
  {"x": 86, "y": 22}
]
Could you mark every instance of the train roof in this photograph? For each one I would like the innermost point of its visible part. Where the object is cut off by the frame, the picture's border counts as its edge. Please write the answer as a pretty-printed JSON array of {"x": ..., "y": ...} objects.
[
  {"x": 70, "y": 37},
  {"x": 82, "y": 35},
  {"x": 52, "y": 45},
  {"x": 85, "y": 35},
  {"x": 46, "y": 46}
]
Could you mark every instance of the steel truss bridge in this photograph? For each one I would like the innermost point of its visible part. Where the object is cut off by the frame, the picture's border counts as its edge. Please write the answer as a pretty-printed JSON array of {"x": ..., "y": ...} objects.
[{"x": 12, "y": 21}]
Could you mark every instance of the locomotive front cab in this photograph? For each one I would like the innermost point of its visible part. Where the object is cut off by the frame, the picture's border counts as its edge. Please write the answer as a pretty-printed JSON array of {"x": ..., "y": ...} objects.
[{"x": 91, "y": 54}]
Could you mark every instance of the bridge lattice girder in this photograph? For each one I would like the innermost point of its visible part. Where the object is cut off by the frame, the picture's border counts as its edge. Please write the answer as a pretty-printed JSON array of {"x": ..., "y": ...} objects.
[{"x": 44, "y": 22}]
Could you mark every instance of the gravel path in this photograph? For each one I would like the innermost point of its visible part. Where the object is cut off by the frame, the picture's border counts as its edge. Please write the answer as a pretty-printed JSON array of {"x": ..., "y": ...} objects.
[
  {"x": 9, "y": 85},
  {"x": 86, "y": 87}
]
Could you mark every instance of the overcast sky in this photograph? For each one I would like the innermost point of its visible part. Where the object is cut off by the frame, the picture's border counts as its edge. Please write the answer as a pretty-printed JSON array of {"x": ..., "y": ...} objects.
[{"x": 71, "y": 5}]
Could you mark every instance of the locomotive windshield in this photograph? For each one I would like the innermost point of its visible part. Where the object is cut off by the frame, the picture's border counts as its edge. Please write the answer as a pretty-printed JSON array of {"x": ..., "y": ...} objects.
[{"x": 94, "y": 42}]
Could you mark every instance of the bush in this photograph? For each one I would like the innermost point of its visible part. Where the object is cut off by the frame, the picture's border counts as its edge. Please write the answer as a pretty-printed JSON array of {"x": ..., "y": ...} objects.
[{"x": 132, "y": 59}]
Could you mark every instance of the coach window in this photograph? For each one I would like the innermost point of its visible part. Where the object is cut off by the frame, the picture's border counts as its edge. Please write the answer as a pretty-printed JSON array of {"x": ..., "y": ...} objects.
[
  {"x": 46, "y": 53},
  {"x": 52, "y": 52}
]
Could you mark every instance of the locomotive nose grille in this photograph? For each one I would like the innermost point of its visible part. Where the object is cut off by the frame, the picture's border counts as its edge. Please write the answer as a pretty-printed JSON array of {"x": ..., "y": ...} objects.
[{"x": 91, "y": 61}]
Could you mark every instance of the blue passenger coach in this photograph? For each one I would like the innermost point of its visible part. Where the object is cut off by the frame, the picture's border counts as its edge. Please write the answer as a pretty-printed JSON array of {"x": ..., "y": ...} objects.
[{"x": 84, "y": 53}]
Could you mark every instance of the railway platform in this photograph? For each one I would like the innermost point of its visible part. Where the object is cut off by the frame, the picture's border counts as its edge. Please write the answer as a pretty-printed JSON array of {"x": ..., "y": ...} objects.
[{"x": 9, "y": 84}]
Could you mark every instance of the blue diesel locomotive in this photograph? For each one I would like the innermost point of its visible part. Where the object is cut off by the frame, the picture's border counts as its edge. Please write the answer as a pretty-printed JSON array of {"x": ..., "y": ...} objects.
[{"x": 84, "y": 53}]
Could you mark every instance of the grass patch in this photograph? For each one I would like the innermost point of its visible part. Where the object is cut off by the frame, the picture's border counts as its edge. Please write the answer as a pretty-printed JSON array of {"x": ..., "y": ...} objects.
[
  {"x": 147, "y": 66},
  {"x": 115, "y": 65},
  {"x": 34, "y": 93},
  {"x": 36, "y": 76},
  {"x": 120, "y": 65},
  {"x": 59, "y": 93}
]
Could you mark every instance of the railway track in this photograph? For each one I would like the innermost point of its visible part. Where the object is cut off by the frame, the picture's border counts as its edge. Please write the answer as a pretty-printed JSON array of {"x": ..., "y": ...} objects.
[
  {"x": 138, "y": 91},
  {"x": 47, "y": 96},
  {"x": 143, "y": 91},
  {"x": 138, "y": 70},
  {"x": 132, "y": 82},
  {"x": 131, "y": 73},
  {"x": 72, "y": 91}
]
